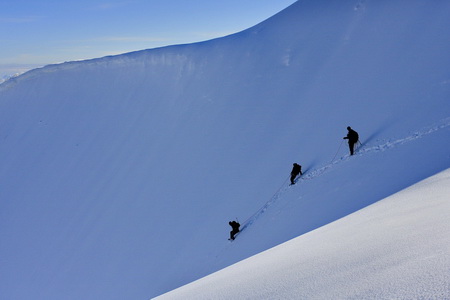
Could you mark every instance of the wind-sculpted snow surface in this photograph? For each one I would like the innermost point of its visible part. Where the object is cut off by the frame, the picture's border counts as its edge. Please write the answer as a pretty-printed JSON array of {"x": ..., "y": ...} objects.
[{"x": 119, "y": 175}]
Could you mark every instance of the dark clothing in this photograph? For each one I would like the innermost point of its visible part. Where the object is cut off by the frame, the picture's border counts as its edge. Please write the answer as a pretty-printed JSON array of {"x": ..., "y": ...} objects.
[
  {"x": 296, "y": 169},
  {"x": 353, "y": 138},
  {"x": 235, "y": 225},
  {"x": 351, "y": 147}
]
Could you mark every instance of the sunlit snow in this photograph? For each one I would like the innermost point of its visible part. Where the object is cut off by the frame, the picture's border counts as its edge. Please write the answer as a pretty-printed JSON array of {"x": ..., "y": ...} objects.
[{"x": 119, "y": 175}]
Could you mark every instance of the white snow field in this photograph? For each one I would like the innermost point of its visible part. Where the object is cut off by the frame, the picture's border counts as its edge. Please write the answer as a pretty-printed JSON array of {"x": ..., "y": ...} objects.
[
  {"x": 119, "y": 175},
  {"x": 397, "y": 248}
]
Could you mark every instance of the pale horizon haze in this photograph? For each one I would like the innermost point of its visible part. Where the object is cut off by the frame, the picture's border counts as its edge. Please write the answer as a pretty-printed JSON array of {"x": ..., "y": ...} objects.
[{"x": 37, "y": 33}]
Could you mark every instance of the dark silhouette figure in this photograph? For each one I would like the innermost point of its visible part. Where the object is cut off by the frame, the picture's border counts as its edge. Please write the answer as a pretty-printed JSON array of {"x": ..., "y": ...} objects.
[
  {"x": 353, "y": 138},
  {"x": 235, "y": 225},
  {"x": 296, "y": 169}
]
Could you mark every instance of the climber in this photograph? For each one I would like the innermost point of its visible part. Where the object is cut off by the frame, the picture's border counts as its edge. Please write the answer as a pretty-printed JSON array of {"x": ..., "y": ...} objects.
[
  {"x": 353, "y": 138},
  {"x": 235, "y": 225},
  {"x": 296, "y": 169}
]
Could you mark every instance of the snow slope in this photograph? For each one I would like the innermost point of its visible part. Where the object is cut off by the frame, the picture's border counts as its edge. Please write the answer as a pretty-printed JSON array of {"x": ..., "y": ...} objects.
[
  {"x": 396, "y": 248},
  {"x": 119, "y": 175}
]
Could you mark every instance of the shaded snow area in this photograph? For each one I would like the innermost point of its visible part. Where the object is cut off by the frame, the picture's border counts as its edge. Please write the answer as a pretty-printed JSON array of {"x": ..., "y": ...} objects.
[
  {"x": 119, "y": 175},
  {"x": 397, "y": 248}
]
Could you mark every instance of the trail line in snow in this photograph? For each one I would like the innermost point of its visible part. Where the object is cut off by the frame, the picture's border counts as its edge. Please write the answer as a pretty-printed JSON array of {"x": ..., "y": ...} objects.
[
  {"x": 361, "y": 150},
  {"x": 364, "y": 149},
  {"x": 263, "y": 208}
]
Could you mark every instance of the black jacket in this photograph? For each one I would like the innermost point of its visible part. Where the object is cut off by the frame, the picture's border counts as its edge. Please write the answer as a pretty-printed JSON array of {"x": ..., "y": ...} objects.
[
  {"x": 296, "y": 169},
  {"x": 235, "y": 225},
  {"x": 352, "y": 136}
]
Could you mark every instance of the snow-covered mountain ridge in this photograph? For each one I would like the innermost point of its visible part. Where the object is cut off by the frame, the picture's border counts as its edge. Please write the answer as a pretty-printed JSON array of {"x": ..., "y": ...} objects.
[{"x": 119, "y": 175}]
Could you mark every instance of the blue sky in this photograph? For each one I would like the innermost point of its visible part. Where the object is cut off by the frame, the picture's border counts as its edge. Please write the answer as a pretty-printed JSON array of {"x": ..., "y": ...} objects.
[{"x": 35, "y": 33}]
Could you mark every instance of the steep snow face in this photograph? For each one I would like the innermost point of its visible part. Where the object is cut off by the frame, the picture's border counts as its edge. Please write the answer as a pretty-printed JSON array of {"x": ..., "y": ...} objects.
[
  {"x": 394, "y": 249},
  {"x": 119, "y": 175}
]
